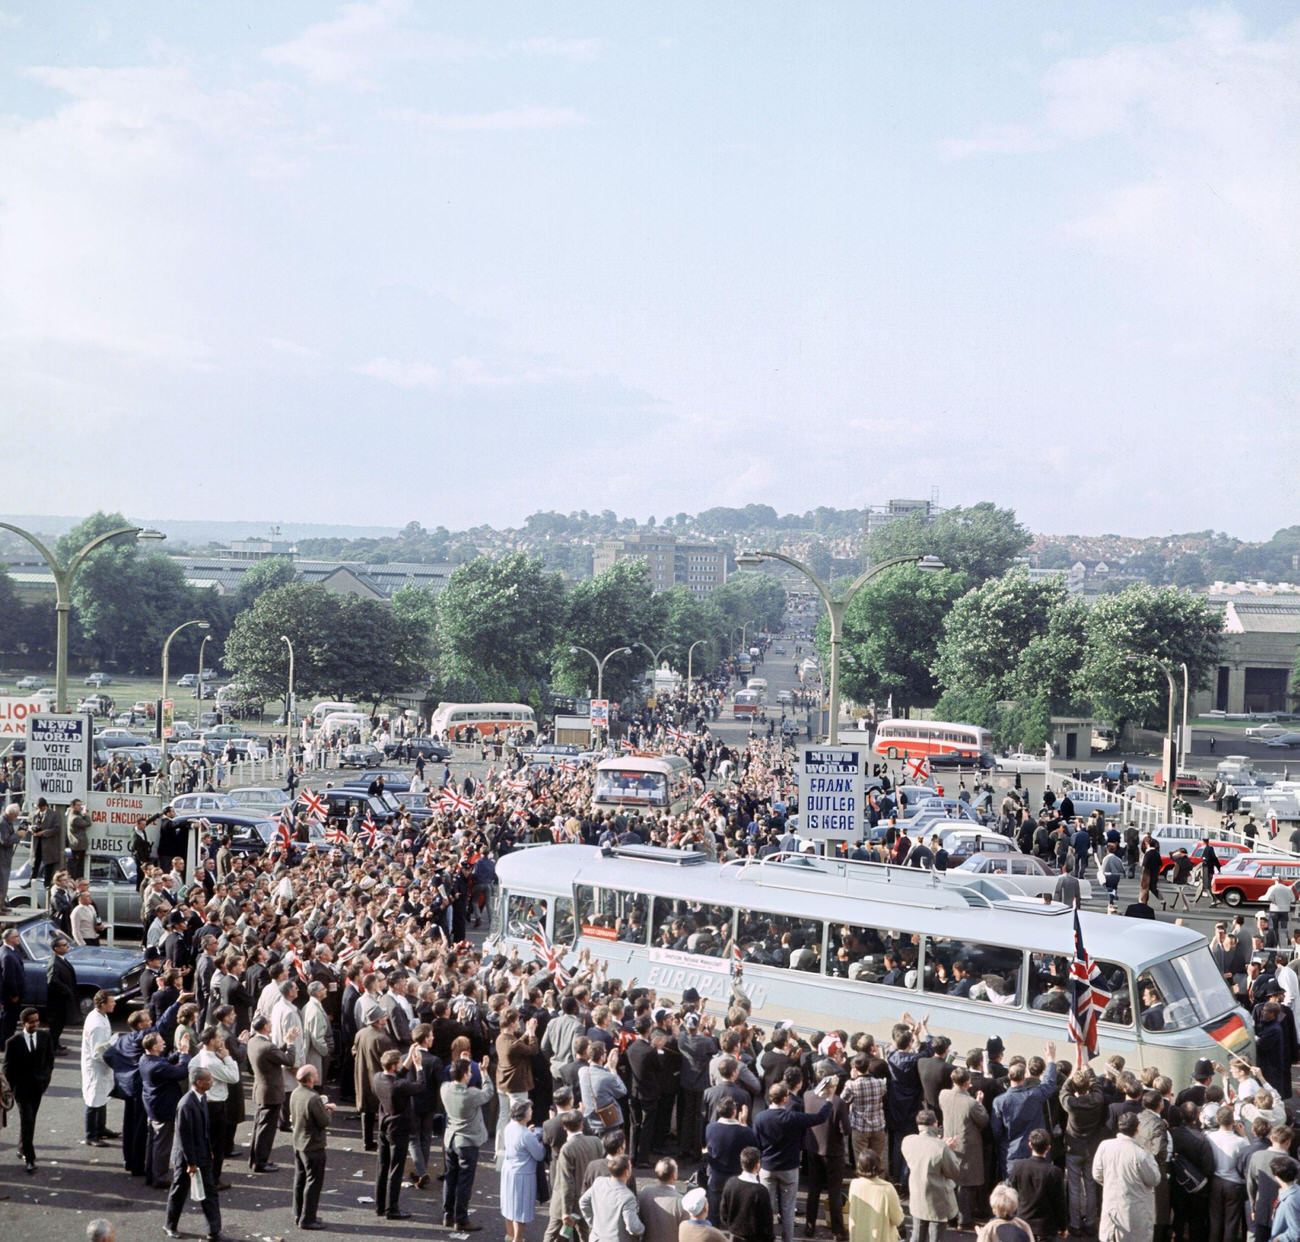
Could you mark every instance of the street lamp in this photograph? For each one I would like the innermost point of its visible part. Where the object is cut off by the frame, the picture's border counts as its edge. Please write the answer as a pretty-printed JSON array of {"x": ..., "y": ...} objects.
[
  {"x": 1182, "y": 737},
  {"x": 600, "y": 664},
  {"x": 207, "y": 638},
  {"x": 836, "y": 608},
  {"x": 654, "y": 655},
  {"x": 167, "y": 646},
  {"x": 1170, "y": 761},
  {"x": 288, "y": 708},
  {"x": 690, "y": 651},
  {"x": 63, "y": 576}
]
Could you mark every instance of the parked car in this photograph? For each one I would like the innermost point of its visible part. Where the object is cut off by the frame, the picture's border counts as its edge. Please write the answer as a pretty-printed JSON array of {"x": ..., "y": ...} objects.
[
  {"x": 1020, "y": 761},
  {"x": 189, "y": 679},
  {"x": 30, "y": 682},
  {"x": 247, "y": 748},
  {"x": 1021, "y": 872},
  {"x": 1283, "y": 741},
  {"x": 193, "y": 748},
  {"x": 97, "y": 966},
  {"x": 1250, "y": 877},
  {"x": 97, "y": 680},
  {"x": 207, "y": 720},
  {"x": 962, "y": 843},
  {"x": 222, "y": 733},
  {"x": 360, "y": 755},
  {"x": 182, "y": 730},
  {"x": 961, "y": 759},
  {"x": 96, "y": 704},
  {"x": 342, "y": 802},
  {"x": 1112, "y": 772},
  {"x": 268, "y": 798},
  {"x": 115, "y": 736},
  {"x": 1224, "y": 850},
  {"x": 411, "y": 747},
  {"x": 784, "y": 697},
  {"x": 1265, "y": 731},
  {"x": 394, "y": 781},
  {"x": 250, "y": 831},
  {"x": 115, "y": 873},
  {"x": 192, "y": 803}
]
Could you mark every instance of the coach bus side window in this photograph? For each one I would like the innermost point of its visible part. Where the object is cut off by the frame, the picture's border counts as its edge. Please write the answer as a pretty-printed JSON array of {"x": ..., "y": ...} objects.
[
  {"x": 981, "y": 972},
  {"x": 780, "y": 940},
  {"x": 870, "y": 955},
  {"x": 521, "y": 909},
  {"x": 564, "y": 929},
  {"x": 690, "y": 927},
  {"x": 613, "y": 915}
]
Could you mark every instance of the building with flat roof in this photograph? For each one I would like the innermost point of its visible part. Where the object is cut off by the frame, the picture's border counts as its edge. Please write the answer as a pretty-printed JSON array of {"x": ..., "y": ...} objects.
[{"x": 700, "y": 567}]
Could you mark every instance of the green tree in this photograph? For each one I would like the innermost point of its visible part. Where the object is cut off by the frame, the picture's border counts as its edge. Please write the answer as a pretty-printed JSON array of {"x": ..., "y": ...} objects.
[
  {"x": 497, "y": 623},
  {"x": 981, "y": 540},
  {"x": 688, "y": 618},
  {"x": 310, "y": 617},
  {"x": 890, "y": 632},
  {"x": 11, "y": 615},
  {"x": 750, "y": 598},
  {"x": 1145, "y": 621},
  {"x": 275, "y": 571},
  {"x": 1049, "y": 664},
  {"x": 989, "y": 628},
  {"x": 615, "y": 609}
]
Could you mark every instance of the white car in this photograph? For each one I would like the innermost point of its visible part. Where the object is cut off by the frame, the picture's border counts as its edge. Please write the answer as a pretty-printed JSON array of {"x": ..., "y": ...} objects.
[
  {"x": 259, "y": 798},
  {"x": 197, "y": 803},
  {"x": 1021, "y": 872},
  {"x": 1021, "y": 762},
  {"x": 30, "y": 682}
]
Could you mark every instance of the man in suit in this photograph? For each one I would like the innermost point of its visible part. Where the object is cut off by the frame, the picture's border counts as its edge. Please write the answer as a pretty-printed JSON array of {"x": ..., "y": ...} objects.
[
  {"x": 348, "y": 1032},
  {"x": 646, "y": 1063},
  {"x": 399, "y": 1079},
  {"x": 228, "y": 989},
  {"x": 192, "y": 1159},
  {"x": 47, "y": 842},
  {"x": 609, "y": 1207},
  {"x": 13, "y": 983},
  {"x": 61, "y": 992},
  {"x": 368, "y": 1048},
  {"x": 310, "y": 1115},
  {"x": 268, "y": 1062},
  {"x": 570, "y": 1163},
  {"x": 162, "y": 1082},
  {"x": 29, "y": 1063},
  {"x": 1041, "y": 1187}
]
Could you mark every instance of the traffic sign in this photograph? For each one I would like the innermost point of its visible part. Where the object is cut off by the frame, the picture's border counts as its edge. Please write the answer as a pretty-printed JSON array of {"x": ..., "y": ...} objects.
[{"x": 600, "y": 713}]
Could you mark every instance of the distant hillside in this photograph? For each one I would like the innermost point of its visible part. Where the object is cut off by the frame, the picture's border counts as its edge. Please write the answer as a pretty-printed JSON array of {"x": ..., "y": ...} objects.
[{"x": 199, "y": 533}]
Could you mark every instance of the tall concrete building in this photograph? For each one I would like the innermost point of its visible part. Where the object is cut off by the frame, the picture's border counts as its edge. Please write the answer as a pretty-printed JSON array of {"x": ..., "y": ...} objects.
[{"x": 701, "y": 567}]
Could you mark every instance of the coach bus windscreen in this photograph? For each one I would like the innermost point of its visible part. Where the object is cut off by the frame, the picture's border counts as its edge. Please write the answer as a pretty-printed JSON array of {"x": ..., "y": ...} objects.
[{"x": 625, "y": 785}]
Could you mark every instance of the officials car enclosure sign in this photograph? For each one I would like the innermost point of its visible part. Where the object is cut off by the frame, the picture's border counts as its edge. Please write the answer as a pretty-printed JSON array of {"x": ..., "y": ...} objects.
[
  {"x": 831, "y": 792},
  {"x": 58, "y": 756}
]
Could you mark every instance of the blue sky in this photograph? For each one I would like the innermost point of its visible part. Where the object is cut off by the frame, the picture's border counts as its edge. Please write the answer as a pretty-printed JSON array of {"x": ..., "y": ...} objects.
[{"x": 388, "y": 260}]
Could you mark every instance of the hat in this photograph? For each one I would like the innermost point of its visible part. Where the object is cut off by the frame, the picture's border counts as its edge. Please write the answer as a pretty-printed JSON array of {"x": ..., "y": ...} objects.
[
  {"x": 695, "y": 1201},
  {"x": 690, "y": 997},
  {"x": 1203, "y": 1069},
  {"x": 995, "y": 1047},
  {"x": 150, "y": 954},
  {"x": 659, "y": 1014}
]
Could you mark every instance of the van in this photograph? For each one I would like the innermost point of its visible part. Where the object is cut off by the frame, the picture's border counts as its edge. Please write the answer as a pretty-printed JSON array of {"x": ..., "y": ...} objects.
[
  {"x": 342, "y": 722},
  {"x": 325, "y": 707}
]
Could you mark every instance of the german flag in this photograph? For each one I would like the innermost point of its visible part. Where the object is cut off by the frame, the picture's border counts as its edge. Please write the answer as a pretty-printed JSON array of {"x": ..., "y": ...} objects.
[{"x": 1230, "y": 1034}]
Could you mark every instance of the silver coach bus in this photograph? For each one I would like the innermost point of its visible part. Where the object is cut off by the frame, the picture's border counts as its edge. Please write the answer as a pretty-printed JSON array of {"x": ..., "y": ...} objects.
[{"x": 830, "y": 944}]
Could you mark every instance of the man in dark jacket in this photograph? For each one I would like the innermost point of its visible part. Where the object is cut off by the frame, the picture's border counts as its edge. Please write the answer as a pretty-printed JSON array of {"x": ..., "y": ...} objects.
[
  {"x": 29, "y": 1065},
  {"x": 61, "y": 993},
  {"x": 1190, "y": 1209},
  {"x": 645, "y": 1062},
  {"x": 780, "y": 1132},
  {"x": 162, "y": 1083},
  {"x": 191, "y": 1158},
  {"x": 1085, "y": 1112},
  {"x": 1041, "y": 1188},
  {"x": 310, "y": 1118},
  {"x": 905, "y": 1091},
  {"x": 746, "y": 1208},
  {"x": 826, "y": 1145},
  {"x": 13, "y": 983},
  {"x": 397, "y": 1083},
  {"x": 697, "y": 1047}
]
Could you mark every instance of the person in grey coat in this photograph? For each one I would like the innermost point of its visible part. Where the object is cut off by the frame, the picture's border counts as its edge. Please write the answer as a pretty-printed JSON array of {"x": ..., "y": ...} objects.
[
  {"x": 47, "y": 842},
  {"x": 609, "y": 1207},
  {"x": 466, "y": 1132},
  {"x": 8, "y": 841}
]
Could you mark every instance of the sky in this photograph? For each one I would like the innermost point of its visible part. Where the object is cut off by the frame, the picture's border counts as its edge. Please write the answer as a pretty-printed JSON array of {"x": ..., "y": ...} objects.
[{"x": 385, "y": 261}]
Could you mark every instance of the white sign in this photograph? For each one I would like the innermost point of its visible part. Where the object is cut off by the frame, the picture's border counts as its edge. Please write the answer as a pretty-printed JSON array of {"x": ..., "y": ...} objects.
[
  {"x": 114, "y": 815},
  {"x": 831, "y": 796},
  {"x": 600, "y": 713},
  {"x": 58, "y": 756},
  {"x": 14, "y": 712}
]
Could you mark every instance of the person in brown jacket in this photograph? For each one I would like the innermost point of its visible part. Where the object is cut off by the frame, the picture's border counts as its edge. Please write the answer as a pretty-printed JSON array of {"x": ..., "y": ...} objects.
[
  {"x": 514, "y": 1067},
  {"x": 965, "y": 1121},
  {"x": 372, "y": 1041},
  {"x": 826, "y": 1145}
]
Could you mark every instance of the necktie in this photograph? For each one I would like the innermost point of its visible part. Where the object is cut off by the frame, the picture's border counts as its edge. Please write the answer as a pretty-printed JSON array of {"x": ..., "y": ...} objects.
[{"x": 31, "y": 1042}]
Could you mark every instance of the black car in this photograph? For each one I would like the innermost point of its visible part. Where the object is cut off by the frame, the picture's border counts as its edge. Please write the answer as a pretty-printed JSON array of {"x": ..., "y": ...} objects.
[
  {"x": 961, "y": 759},
  {"x": 97, "y": 966},
  {"x": 343, "y": 802},
  {"x": 394, "y": 781},
  {"x": 249, "y": 833},
  {"x": 413, "y": 747}
]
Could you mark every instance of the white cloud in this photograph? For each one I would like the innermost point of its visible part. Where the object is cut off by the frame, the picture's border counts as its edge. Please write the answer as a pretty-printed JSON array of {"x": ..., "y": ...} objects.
[
  {"x": 411, "y": 375},
  {"x": 565, "y": 49},
  {"x": 294, "y": 349},
  {"x": 502, "y": 120}
]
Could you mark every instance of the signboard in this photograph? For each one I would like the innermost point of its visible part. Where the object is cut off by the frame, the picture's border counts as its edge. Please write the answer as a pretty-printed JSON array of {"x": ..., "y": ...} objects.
[
  {"x": 58, "y": 756},
  {"x": 14, "y": 711},
  {"x": 600, "y": 713},
  {"x": 832, "y": 803},
  {"x": 167, "y": 719},
  {"x": 113, "y": 816}
]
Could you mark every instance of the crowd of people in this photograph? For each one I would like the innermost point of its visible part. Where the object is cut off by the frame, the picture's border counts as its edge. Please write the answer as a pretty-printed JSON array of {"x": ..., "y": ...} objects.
[{"x": 288, "y": 995}]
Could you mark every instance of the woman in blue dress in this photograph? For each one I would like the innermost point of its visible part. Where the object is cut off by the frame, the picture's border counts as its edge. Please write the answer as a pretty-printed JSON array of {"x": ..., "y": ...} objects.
[{"x": 523, "y": 1153}]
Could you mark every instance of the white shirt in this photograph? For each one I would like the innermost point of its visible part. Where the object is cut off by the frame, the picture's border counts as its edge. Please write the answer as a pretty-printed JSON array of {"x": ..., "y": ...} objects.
[{"x": 224, "y": 1071}]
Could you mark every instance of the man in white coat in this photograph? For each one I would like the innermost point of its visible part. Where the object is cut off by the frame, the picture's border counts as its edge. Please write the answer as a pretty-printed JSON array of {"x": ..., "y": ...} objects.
[
  {"x": 1128, "y": 1177},
  {"x": 96, "y": 1076},
  {"x": 317, "y": 1034},
  {"x": 284, "y": 1019}
]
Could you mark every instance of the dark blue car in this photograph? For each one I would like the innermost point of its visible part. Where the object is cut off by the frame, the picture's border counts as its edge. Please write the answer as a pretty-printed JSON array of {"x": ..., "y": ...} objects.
[{"x": 97, "y": 966}]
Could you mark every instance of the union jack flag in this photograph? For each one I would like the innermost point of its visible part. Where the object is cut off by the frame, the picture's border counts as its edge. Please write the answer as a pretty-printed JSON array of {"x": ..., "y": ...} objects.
[
  {"x": 674, "y": 734},
  {"x": 626, "y": 747},
  {"x": 550, "y": 955},
  {"x": 454, "y": 801},
  {"x": 336, "y": 834},
  {"x": 737, "y": 959},
  {"x": 285, "y": 834},
  {"x": 370, "y": 832},
  {"x": 314, "y": 804},
  {"x": 1090, "y": 995}
]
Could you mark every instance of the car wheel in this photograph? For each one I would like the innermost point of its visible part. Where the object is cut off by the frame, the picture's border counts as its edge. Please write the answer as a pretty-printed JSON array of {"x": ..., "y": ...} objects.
[
  {"x": 1233, "y": 896},
  {"x": 85, "y": 1004}
]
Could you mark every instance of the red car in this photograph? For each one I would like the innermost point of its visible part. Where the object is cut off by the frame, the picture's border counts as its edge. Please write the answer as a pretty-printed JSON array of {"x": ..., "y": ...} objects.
[
  {"x": 1249, "y": 878},
  {"x": 1224, "y": 849}
]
